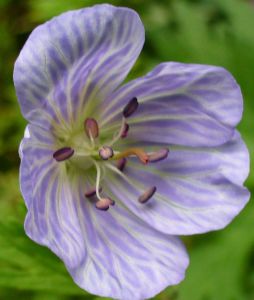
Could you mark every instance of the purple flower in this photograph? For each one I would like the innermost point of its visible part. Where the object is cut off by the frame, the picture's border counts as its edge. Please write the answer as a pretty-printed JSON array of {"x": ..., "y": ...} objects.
[{"x": 111, "y": 174}]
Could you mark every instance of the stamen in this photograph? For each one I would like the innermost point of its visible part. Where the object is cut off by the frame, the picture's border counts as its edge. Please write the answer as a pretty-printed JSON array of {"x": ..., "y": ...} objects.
[
  {"x": 91, "y": 128},
  {"x": 158, "y": 155},
  {"x": 125, "y": 130},
  {"x": 140, "y": 153},
  {"x": 92, "y": 192},
  {"x": 147, "y": 195},
  {"x": 98, "y": 178},
  {"x": 130, "y": 108},
  {"x": 63, "y": 154},
  {"x": 106, "y": 152},
  {"x": 104, "y": 203}
]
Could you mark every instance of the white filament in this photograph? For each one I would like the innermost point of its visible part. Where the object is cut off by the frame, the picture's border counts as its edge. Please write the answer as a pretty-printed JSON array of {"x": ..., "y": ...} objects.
[
  {"x": 119, "y": 134},
  {"x": 98, "y": 178}
]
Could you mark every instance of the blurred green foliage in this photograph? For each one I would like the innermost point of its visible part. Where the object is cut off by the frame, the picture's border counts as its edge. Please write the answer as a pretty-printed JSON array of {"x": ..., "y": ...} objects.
[{"x": 219, "y": 32}]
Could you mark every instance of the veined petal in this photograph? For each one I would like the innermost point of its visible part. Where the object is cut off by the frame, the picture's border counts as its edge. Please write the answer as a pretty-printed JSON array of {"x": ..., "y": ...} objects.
[
  {"x": 70, "y": 62},
  {"x": 45, "y": 188},
  {"x": 176, "y": 124},
  {"x": 182, "y": 97},
  {"x": 112, "y": 253},
  {"x": 35, "y": 152},
  {"x": 198, "y": 189},
  {"x": 126, "y": 258}
]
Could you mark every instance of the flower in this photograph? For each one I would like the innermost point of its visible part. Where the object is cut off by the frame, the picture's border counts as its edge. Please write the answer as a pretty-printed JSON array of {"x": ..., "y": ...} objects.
[{"x": 110, "y": 175}]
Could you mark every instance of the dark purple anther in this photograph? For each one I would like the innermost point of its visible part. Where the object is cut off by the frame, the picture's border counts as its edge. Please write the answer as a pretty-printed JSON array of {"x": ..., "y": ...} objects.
[
  {"x": 104, "y": 203},
  {"x": 106, "y": 152},
  {"x": 63, "y": 154},
  {"x": 91, "y": 128},
  {"x": 121, "y": 164},
  {"x": 131, "y": 107},
  {"x": 158, "y": 155},
  {"x": 92, "y": 192},
  {"x": 147, "y": 195},
  {"x": 125, "y": 130}
]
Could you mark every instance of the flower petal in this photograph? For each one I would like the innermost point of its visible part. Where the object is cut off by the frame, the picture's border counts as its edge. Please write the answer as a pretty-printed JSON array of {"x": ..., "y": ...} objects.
[
  {"x": 198, "y": 189},
  {"x": 44, "y": 186},
  {"x": 192, "y": 105},
  {"x": 70, "y": 62},
  {"x": 177, "y": 124},
  {"x": 35, "y": 152},
  {"x": 112, "y": 253},
  {"x": 127, "y": 259}
]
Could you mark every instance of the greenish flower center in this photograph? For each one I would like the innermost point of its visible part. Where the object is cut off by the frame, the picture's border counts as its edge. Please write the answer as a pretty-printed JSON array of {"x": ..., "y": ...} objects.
[{"x": 95, "y": 152}]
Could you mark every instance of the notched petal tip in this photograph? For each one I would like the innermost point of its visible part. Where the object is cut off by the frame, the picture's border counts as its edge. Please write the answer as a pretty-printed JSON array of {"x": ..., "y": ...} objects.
[
  {"x": 131, "y": 107},
  {"x": 63, "y": 154}
]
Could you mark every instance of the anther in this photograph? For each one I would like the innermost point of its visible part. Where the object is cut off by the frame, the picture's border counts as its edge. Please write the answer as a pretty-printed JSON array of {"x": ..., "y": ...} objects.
[
  {"x": 63, "y": 154},
  {"x": 147, "y": 195},
  {"x": 158, "y": 155},
  {"x": 92, "y": 192},
  {"x": 106, "y": 152},
  {"x": 130, "y": 108},
  {"x": 91, "y": 128},
  {"x": 121, "y": 164},
  {"x": 104, "y": 203},
  {"x": 125, "y": 130}
]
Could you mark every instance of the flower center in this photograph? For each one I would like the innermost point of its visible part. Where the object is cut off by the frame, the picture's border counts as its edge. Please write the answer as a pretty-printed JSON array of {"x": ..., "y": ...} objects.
[{"x": 107, "y": 156}]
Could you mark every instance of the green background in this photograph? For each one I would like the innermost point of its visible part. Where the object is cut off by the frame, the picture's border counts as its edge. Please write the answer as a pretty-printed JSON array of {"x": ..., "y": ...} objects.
[{"x": 209, "y": 32}]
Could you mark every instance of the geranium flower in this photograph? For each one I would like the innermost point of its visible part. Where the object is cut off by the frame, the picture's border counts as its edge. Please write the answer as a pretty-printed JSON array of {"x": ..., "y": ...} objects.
[{"x": 111, "y": 174}]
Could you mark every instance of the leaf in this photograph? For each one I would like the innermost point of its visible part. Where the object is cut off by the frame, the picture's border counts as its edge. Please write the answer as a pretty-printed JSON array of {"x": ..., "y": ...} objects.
[{"x": 28, "y": 266}]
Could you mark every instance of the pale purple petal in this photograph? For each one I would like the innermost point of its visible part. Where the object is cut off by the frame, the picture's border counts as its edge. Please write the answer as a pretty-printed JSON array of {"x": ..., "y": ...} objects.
[
  {"x": 75, "y": 60},
  {"x": 177, "y": 124},
  {"x": 51, "y": 220},
  {"x": 110, "y": 253},
  {"x": 192, "y": 105},
  {"x": 36, "y": 154},
  {"x": 198, "y": 189},
  {"x": 127, "y": 259}
]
